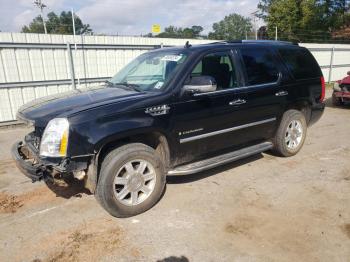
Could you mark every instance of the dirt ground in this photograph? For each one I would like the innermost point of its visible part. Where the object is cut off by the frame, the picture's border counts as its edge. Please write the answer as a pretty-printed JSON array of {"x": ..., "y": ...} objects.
[{"x": 263, "y": 208}]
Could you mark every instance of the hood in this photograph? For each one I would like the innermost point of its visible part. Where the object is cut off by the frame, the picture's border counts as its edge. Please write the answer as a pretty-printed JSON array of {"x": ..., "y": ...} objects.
[{"x": 42, "y": 110}]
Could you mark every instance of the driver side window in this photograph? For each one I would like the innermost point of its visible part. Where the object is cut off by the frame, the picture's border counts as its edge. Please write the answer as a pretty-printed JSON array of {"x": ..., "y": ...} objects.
[{"x": 220, "y": 67}]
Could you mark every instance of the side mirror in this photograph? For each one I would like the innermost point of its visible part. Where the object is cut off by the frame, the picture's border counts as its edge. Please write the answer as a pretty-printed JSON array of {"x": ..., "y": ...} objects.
[{"x": 200, "y": 84}]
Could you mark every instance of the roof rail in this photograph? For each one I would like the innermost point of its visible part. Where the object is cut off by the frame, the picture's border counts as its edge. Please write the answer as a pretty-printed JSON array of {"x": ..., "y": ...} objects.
[
  {"x": 255, "y": 42},
  {"x": 227, "y": 42},
  {"x": 269, "y": 42}
]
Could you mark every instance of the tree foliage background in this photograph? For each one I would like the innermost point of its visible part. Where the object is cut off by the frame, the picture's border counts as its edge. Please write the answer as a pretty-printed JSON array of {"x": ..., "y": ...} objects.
[
  {"x": 305, "y": 20},
  {"x": 296, "y": 20},
  {"x": 62, "y": 24},
  {"x": 179, "y": 32},
  {"x": 233, "y": 26}
]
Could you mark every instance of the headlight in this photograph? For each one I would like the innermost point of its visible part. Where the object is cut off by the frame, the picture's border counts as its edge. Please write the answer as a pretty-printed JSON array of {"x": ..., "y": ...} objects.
[{"x": 54, "y": 141}]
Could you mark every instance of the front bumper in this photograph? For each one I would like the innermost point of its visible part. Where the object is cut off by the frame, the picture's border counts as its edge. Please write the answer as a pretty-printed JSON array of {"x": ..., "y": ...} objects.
[
  {"x": 27, "y": 163},
  {"x": 36, "y": 168}
]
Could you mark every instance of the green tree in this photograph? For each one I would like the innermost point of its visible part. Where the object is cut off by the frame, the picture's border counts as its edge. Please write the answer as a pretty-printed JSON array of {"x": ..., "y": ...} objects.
[
  {"x": 197, "y": 30},
  {"x": 171, "y": 32},
  {"x": 343, "y": 33},
  {"x": 263, "y": 8},
  {"x": 304, "y": 20},
  {"x": 262, "y": 33},
  {"x": 233, "y": 26},
  {"x": 55, "y": 24},
  {"x": 179, "y": 32},
  {"x": 334, "y": 12},
  {"x": 295, "y": 20}
]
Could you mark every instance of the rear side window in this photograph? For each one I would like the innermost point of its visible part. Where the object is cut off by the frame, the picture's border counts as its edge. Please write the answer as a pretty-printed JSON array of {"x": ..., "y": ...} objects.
[
  {"x": 300, "y": 63},
  {"x": 260, "y": 66}
]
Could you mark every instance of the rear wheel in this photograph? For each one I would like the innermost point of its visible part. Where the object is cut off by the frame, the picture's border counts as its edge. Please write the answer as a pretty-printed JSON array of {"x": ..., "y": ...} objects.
[
  {"x": 291, "y": 133},
  {"x": 131, "y": 181}
]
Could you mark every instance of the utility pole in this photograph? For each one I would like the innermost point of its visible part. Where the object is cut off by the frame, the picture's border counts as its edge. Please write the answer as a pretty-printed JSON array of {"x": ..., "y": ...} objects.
[
  {"x": 255, "y": 25},
  {"x": 41, "y": 6},
  {"x": 276, "y": 38},
  {"x": 73, "y": 22},
  {"x": 75, "y": 41}
]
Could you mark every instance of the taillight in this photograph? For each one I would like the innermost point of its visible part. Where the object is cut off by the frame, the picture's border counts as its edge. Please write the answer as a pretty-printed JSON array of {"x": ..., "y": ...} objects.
[{"x": 323, "y": 91}]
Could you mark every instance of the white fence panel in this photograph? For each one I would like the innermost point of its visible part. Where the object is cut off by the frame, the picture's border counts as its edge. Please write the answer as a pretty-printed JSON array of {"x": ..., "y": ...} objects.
[
  {"x": 10, "y": 65},
  {"x": 323, "y": 55},
  {"x": 5, "y": 106}
]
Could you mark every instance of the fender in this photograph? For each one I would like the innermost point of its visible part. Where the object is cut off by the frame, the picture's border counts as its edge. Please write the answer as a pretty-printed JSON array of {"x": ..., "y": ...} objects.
[{"x": 89, "y": 137}]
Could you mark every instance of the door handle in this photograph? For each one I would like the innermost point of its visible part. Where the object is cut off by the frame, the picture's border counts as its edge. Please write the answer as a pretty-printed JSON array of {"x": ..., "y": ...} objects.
[
  {"x": 237, "y": 102},
  {"x": 281, "y": 93}
]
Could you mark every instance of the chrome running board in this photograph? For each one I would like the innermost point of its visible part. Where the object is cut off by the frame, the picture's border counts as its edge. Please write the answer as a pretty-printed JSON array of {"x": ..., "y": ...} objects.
[{"x": 220, "y": 160}]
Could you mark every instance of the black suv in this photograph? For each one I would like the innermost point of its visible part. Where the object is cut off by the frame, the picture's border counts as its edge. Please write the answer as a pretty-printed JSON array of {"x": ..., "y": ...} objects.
[{"x": 173, "y": 111}]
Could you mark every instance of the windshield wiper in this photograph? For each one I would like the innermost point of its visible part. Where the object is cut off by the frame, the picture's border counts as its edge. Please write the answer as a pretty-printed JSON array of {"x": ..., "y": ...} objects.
[
  {"x": 128, "y": 85},
  {"x": 109, "y": 83}
]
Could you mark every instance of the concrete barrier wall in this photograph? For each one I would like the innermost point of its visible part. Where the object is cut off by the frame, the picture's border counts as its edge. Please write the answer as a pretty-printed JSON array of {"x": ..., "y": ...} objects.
[{"x": 36, "y": 65}]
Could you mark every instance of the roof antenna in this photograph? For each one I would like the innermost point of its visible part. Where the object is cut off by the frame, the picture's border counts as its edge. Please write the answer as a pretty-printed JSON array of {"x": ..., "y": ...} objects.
[{"x": 188, "y": 45}]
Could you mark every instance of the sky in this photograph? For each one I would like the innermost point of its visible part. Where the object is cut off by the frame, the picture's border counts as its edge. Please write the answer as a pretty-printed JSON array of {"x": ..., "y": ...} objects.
[{"x": 127, "y": 17}]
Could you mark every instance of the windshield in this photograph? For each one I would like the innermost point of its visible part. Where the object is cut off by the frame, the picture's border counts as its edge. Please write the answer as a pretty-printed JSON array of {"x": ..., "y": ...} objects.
[{"x": 150, "y": 71}]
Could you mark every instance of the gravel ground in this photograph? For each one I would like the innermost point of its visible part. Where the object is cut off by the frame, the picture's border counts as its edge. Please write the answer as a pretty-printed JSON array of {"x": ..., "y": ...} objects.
[{"x": 263, "y": 208}]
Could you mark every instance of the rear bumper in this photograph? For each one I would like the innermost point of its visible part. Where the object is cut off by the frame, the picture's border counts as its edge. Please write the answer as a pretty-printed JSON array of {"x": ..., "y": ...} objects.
[
  {"x": 35, "y": 171},
  {"x": 316, "y": 112}
]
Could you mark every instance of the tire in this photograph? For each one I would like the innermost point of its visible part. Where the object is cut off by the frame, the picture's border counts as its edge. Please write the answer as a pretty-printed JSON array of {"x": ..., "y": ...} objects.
[
  {"x": 292, "y": 124},
  {"x": 336, "y": 101},
  {"x": 121, "y": 172}
]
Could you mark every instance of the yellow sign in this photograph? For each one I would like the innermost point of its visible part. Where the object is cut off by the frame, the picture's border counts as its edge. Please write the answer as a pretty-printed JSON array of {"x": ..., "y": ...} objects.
[{"x": 156, "y": 28}]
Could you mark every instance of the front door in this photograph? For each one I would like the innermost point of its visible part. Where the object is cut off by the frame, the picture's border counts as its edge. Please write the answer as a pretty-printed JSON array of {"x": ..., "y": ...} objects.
[{"x": 206, "y": 123}]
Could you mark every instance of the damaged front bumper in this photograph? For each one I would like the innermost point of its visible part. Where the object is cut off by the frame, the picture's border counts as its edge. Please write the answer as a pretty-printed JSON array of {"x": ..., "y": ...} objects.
[
  {"x": 36, "y": 168},
  {"x": 27, "y": 162}
]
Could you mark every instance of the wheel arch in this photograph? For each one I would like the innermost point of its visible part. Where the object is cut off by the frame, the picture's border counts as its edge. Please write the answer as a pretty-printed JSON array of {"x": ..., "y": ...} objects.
[
  {"x": 155, "y": 139},
  {"x": 303, "y": 106}
]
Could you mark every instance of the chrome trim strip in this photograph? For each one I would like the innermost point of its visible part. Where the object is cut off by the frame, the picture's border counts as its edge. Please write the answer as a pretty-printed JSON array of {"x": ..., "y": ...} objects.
[
  {"x": 192, "y": 138},
  {"x": 233, "y": 89}
]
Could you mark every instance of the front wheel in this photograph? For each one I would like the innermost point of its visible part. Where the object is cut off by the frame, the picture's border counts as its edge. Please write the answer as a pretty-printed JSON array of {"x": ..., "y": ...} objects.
[
  {"x": 131, "y": 181},
  {"x": 291, "y": 133}
]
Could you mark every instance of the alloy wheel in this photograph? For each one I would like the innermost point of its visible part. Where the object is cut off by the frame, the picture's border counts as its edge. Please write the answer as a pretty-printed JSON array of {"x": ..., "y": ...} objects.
[
  {"x": 134, "y": 182},
  {"x": 294, "y": 134}
]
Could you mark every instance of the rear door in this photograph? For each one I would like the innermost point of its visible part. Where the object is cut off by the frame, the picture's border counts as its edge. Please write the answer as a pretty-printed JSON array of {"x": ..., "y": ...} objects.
[
  {"x": 305, "y": 82},
  {"x": 266, "y": 98}
]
